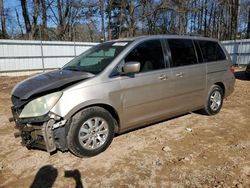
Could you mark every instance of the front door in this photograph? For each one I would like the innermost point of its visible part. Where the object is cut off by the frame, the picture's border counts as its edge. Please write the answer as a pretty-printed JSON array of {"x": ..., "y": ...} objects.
[{"x": 145, "y": 94}]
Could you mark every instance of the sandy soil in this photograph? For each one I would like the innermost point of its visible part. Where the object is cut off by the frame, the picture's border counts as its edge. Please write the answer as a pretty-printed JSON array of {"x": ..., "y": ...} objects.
[{"x": 216, "y": 153}]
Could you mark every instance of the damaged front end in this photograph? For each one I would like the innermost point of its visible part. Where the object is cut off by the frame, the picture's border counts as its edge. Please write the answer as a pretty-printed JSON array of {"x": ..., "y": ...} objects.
[
  {"x": 33, "y": 100},
  {"x": 46, "y": 131}
]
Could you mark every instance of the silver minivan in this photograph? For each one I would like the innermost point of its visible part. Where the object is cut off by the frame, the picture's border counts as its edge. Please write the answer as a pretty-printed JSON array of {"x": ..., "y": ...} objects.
[{"x": 120, "y": 85}]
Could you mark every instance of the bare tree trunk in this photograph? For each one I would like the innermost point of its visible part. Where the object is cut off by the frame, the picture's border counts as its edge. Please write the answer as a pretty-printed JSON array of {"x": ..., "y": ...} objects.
[
  {"x": 31, "y": 29},
  {"x": 109, "y": 19},
  {"x": 26, "y": 16},
  {"x": 120, "y": 18},
  {"x": 202, "y": 15},
  {"x": 44, "y": 20},
  {"x": 195, "y": 17},
  {"x": 19, "y": 23},
  {"x": 102, "y": 18},
  {"x": 181, "y": 23},
  {"x": 2, "y": 14},
  {"x": 63, "y": 15},
  {"x": 172, "y": 22},
  {"x": 234, "y": 22},
  {"x": 214, "y": 23},
  {"x": 130, "y": 19},
  {"x": 210, "y": 33},
  {"x": 248, "y": 24},
  {"x": 192, "y": 17},
  {"x": 60, "y": 17},
  {"x": 205, "y": 18},
  {"x": 34, "y": 28},
  {"x": 220, "y": 22},
  {"x": 91, "y": 32},
  {"x": 227, "y": 31},
  {"x": 182, "y": 17}
]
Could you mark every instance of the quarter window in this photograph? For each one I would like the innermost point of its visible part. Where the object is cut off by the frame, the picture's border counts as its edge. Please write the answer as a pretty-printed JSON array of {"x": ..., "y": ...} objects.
[
  {"x": 182, "y": 52},
  {"x": 149, "y": 54},
  {"x": 211, "y": 51}
]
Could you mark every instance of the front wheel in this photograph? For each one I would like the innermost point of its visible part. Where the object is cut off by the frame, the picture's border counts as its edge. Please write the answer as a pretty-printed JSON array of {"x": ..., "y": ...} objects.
[
  {"x": 214, "y": 100},
  {"x": 91, "y": 132}
]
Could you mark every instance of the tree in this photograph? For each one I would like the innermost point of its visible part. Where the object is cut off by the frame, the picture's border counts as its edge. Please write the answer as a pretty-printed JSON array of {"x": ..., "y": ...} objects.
[
  {"x": 19, "y": 23},
  {"x": 248, "y": 24},
  {"x": 44, "y": 20},
  {"x": 132, "y": 7},
  {"x": 115, "y": 18},
  {"x": 31, "y": 28},
  {"x": 109, "y": 8},
  {"x": 110, "y": 19},
  {"x": 3, "y": 21},
  {"x": 102, "y": 11},
  {"x": 63, "y": 11}
]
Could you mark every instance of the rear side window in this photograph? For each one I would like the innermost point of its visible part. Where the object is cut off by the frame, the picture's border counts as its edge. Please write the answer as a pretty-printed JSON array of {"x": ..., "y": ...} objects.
[
  {"x": 211, "y": 51},
  {"x": 182, "y": 52},
  {"x": 149, "y": 54}
]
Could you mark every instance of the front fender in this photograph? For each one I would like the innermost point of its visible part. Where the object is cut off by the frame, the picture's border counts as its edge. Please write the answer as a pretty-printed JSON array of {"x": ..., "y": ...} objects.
[{"x": 86, "y": 104}]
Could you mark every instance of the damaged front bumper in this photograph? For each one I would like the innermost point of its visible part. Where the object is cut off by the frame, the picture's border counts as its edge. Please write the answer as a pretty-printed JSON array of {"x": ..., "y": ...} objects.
[{"x": 47, "y": 132}]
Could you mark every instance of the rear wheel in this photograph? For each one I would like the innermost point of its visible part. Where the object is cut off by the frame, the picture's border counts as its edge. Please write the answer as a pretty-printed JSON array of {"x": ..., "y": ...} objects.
[
  {"x": 214, "y": 100},
  {"x": 91, "y": 132},
  {"x": 247, "y": 75}
]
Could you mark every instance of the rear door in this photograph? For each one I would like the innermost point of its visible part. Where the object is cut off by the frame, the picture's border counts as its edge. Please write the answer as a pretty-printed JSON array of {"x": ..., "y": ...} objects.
[
  {"x": 189, "y": 76},
  {"x": 216, "y": 62}
]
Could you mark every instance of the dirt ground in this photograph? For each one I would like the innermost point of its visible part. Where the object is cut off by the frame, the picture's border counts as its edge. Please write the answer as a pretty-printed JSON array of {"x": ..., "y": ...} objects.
[{"x": 189, "y": 151}]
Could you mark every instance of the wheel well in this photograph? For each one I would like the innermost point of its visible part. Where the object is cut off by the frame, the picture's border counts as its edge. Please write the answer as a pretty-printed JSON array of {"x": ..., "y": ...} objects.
[
  {"x": 221, "y": 85},
  {"x": 111, "y": 110}
]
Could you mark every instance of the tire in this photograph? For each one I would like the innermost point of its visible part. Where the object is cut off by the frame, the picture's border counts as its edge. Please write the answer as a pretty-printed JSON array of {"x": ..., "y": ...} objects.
[
  {"x": 247, "y": 75},
  {"x": 214, "y": 101},
  {"x": 91, "y": 132}
]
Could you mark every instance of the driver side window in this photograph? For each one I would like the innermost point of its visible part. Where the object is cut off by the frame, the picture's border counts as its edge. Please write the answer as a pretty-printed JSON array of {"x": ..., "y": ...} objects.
[{"x": 149, "y": 54}]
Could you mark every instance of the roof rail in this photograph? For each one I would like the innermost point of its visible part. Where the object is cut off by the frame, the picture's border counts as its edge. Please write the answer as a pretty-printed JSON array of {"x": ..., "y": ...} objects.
[
  {"x": 172, "y": 33},
  {"x": 195, "y": 34}
]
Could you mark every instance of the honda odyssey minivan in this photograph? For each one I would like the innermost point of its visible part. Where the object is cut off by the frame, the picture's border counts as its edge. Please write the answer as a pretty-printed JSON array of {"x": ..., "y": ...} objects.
[{"x": 120, "y": 85}]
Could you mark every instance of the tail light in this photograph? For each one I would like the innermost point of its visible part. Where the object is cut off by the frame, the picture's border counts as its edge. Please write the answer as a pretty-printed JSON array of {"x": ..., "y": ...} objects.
[{"x": 232, "y": 69}]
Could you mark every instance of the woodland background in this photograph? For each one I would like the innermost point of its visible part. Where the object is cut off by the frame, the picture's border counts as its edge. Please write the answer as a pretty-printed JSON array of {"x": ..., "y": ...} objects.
[{"x": 101, "y": 20}]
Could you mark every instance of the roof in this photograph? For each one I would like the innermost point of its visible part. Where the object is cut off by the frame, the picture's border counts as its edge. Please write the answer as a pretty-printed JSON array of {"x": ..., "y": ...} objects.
[{"x": 165, "y": 36}]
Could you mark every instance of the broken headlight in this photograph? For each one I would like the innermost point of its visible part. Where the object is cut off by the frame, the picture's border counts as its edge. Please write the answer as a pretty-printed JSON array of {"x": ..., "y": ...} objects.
[{"x": 40, "y": 106}]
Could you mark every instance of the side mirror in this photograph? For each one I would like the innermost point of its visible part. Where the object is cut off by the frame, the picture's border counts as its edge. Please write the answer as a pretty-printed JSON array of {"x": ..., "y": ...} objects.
[{"x": 132, "y": 67}]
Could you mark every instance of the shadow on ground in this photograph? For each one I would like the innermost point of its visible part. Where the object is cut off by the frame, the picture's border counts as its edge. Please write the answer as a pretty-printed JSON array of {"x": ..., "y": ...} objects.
[
  {"x": 75, "y": 174},
  {"x": 46, "y": 176}
]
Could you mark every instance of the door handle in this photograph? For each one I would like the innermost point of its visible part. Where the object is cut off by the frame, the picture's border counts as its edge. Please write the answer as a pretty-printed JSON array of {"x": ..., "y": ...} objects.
[
  {"x": 162, "y": 77},
  {"x": 180, "y": 74}
]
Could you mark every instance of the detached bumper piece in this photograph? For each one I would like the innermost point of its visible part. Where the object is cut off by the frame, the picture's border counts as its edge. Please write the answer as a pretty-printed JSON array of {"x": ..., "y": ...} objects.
[{"x": 49, "y": 135}]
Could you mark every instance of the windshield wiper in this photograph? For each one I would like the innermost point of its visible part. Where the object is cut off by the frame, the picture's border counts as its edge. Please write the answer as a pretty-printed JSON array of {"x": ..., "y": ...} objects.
[
  {"x": 72, "y": 69},
  {"x": 79, "y": 69}
]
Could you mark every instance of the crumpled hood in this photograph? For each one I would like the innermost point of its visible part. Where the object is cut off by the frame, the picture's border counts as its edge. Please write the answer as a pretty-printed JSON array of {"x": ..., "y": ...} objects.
[{"x": 48, "y": 81}]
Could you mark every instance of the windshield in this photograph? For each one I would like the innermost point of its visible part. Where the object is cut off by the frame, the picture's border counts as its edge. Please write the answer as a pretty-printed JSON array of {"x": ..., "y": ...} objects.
[{"x": 96, "y": 59}]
